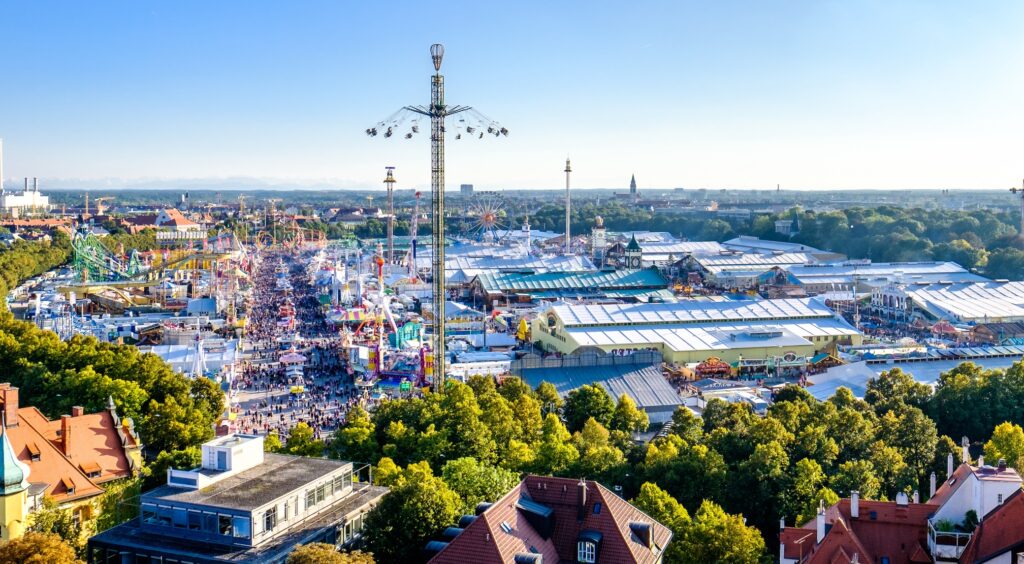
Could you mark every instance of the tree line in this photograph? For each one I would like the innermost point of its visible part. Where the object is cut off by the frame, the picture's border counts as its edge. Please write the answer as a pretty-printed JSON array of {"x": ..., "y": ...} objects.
[{"x": 738, "y": 471}]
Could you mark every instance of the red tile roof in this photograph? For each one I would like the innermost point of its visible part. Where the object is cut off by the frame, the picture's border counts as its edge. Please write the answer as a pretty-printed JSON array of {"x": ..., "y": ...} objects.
[
  {"x": 882, "y": 528},
  {"x": 96, "y": 440},
  {"x": 999, "y": 532},
  {"x": 486, "y": 540}
]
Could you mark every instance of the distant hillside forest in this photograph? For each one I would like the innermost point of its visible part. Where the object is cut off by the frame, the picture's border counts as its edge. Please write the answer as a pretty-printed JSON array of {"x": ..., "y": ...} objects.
[{"x": 983, "y": 240}]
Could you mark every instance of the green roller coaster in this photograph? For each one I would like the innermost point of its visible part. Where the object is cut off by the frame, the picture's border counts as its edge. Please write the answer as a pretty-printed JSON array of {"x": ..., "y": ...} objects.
[{"x": 95, "y": 263}]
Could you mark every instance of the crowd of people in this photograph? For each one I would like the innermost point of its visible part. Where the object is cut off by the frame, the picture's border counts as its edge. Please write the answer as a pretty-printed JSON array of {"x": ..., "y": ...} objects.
[{"x": 287, "y": 318}]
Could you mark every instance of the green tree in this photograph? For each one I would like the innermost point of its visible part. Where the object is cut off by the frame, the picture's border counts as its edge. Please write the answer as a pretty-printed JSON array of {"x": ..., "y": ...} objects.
[
  {"x": 1007, "y": 443},
  {"x": 893, "y": 388},
  {"x": 355, "y": 440},
  {"x": 272, "y": 442},
  {"x": 184, "y": 459},
  {"x": 555, "y": 452},
  {"x": 716, "y": 536},
  {"x": 597, "y": 456},
  {"x": 116, "y": 504},
  {"x": 476, "y": 482},
  {"x": 627, "y": 418},
  {"x": 662, "y": 507},
  {"x": 301, "y": 442},
  {"x": 589, "y": 400},
  {"x": 37, "y": 548},
  {"x": 50, "y": 518},
  {"x": 856, "y": 475},
  {"x": 408, "y": 516},
  {"x": 548, "y": 396}
]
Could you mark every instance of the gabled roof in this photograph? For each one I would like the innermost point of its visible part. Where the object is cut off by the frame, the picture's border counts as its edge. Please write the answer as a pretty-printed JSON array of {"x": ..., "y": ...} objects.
[
  {"x": 882, "y": 529},
  {"x": 1000, "y": 531},
  {"x": 503, "y": 530}
]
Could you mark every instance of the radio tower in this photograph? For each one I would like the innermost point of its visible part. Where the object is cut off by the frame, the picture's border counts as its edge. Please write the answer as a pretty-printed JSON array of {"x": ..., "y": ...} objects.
[
  {"x": 471, "y": 123},
  {"x": 568, "y": 208},
  {"x": 389, "y": 182}
]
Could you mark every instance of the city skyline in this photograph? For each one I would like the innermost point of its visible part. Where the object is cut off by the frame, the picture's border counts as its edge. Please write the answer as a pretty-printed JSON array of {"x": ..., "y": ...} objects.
[{"x": 831, "y": 95}]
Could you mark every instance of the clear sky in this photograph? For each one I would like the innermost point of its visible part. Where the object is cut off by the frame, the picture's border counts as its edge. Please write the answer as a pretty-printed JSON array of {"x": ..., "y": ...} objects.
[{"x": 730, "y": 94}]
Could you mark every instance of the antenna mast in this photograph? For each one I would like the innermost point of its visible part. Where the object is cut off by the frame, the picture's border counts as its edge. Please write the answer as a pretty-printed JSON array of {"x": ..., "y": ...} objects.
[{"x": 568, "y": 209}]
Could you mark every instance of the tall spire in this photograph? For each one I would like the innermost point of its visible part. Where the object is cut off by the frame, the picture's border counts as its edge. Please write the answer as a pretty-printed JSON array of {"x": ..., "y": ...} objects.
[
  {"x": 632, "y": 184},
  {"x": 568, "y": 209},
  {"x": 13, "y": 471}
]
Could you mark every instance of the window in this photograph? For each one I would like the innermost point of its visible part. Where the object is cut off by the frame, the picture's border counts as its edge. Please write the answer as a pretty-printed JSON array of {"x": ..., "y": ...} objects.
[
  {"x": 348, "y": 479},
  {"x": 348, "y": 531},
  {"x": 310, "y": 498},
  {"x": 319, "y": 493},
  {"x": 179, "y": 517},
  {"x": 597, "y": 508},
  {"x": 163, "y": 516},
  {"x": 270, "y": 519},
  {"x": 195, "y": 521},
  {"x": 339, "y": 484},
  {"x": 210, "y": 523},
  {"x": 586, "y": 552},
  {"x": 224, "y": 524},
  {"x": 148, "y": 513},
  {"x": 999, "y": 498},
  {"x": 242, "y": 527},
  {"x": 287, "y": 506},
  {"x": 885, "y": 560},
  {"x": 506, "y": 527}
]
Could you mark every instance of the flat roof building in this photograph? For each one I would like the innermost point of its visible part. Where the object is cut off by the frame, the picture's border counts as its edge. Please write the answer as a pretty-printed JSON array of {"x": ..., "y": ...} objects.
[
  {"x": 692, "y": 331},
  {"x": 242, "y": 505}
]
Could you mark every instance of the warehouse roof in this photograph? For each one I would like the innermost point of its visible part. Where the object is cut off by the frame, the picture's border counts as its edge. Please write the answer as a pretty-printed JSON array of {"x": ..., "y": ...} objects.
[
  {"x": 979, "y": 301},
  {"x": 644, "y": 384},
  {"x": 498, "y": 282},
  {"x": 689, "y": 311},
  {"x": 732, "y": 261},
  {"x": 710, "y": 336}
]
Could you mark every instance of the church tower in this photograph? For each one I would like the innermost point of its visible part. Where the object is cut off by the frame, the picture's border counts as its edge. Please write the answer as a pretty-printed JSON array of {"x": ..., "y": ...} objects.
[
  {"x": 634, "y": 254},
  {"x": 632, "y": 188},
  {"x": 15, "y": 486}
]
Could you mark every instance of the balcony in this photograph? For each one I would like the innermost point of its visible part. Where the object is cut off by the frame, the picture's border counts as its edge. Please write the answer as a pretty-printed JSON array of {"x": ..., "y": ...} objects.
[{"x": 946, "y": 545}]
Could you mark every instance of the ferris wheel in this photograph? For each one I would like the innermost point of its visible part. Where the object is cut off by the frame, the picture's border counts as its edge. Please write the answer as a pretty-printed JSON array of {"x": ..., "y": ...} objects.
[{"x": 488, "y": 219}]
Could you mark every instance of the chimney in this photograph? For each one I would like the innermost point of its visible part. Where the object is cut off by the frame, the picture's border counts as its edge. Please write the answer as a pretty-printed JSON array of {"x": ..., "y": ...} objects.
[
  {"x": 26, "y": 184},
  {"x": 35, "y": 184},
  {"x": 931, "y": 486},
  {"x": 981, "y": 461},
  {"x": 965, "y": 453},
  {"x": 65, "y": 433},
  {"x": 1002, "y": 465},
  {"x": 854, "y": 504},
  {"x": 902, "y": 499},
  {"x": 820, "y": 524},
  {"x": 917, "y": 497},
  {"x": 9, "y": 395},
  {"x": 949, "y": 465},
  {"x": 582, "y": 491},
  {"x": 77, "y": 411}
]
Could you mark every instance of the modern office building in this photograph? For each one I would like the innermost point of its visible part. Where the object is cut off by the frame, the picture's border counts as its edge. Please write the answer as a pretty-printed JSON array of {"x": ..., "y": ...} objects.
[{"x": 241, "y": 505}]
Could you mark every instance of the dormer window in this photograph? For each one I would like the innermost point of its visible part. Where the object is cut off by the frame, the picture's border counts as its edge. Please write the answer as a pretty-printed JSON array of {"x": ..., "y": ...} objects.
[
  {"x": 587, "y": 546},
  {"x": 586, "y": 552}
]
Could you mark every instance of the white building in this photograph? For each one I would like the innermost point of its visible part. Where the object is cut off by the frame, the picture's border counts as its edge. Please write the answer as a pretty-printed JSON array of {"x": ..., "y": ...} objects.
[{"x": 26, "y": 201}]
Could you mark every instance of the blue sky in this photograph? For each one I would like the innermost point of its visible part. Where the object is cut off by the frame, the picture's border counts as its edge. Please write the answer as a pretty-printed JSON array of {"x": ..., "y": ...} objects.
[{"x": 828, "y": 94}]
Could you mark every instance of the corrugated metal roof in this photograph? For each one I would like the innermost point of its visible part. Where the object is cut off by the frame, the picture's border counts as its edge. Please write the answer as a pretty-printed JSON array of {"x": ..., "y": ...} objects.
[
  {"x": 993, "y": 301},
  {"x": 689, "y": 311},
  {"x": 600, "y": 279},
  {"x": 644, "y": 384}
]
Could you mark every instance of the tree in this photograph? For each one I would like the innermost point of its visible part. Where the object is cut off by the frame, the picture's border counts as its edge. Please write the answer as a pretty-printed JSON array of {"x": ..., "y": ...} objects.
[
  {"x": 597, "y": 456},
  {"x": 1006, "y": 263},
  {"x": 355, "y": 440},
  {"x": 301, "y": 442},
  {"x": 37, "y": 548},
  {"x": 1007, "y": 443},
  {"x": 323, "y": 553},
  {"x": 50, "y": 518},
  {"x": 716, "y": 536},
  {"x": 548, "y": 396},
  {"x": 555, "y": 452},
  {"x": 401, "y": 524},
  {"x": 476, "y": 482},
  {"x": 627, "y": 418},
  {"x": 913, "y": 434},
  {"x": 114, "y": 505},
  {"x": 190, "y": 457},
  {"x": 589, "y": 400},
  {"x": 663, "y": 508},
  {"x": 272, "y": 442},
  {"x": 894, "y": 387},
  {"x": 856, "y": 475}
]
